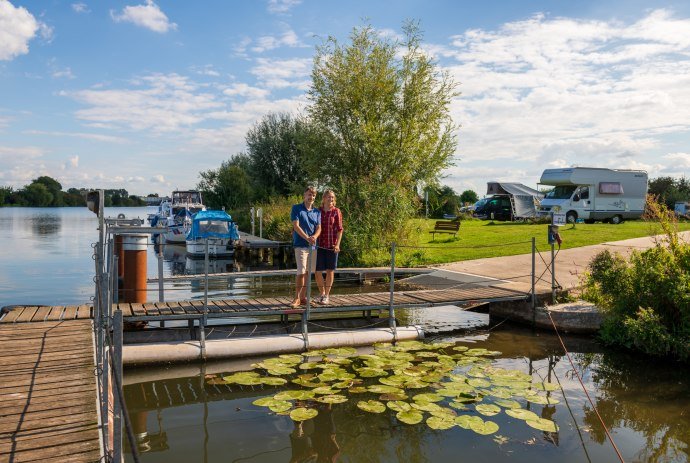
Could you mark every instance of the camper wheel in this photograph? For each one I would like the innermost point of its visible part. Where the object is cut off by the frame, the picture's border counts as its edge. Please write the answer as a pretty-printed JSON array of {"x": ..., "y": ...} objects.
[
  {"x": 616, "y": 219},
  {"x": 571, "y": 217}
]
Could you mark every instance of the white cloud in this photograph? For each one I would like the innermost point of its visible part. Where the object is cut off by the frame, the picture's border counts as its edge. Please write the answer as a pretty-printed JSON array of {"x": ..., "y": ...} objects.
[
  {"x": 17, "y": 28},
  {"x": 80, "y": 8},
  {"x": 282, "y": 6},
  {"x": 282, "y": 73},
  {"x": 158, "y": 103},
  {"x": 244, "y": 90},
  {"x": 86, "y": 136},
  {"x": 677, "y": 162},
  {"x": 559, "y": 91},
  {"x": 269, "y": 42},
  {"x": 206, "y": 70},
  {"x": 71, "y": 163},
  {"x": 149, "y": 16},
  {"x": 157, "y": 179}
]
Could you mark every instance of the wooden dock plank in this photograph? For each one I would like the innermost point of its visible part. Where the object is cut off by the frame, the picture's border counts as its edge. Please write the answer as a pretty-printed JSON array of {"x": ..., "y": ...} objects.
[
  {"x": 48, "y": 390},
  {"x": 163, "y": 308},
  {"x": 41, "y": 314},
  {"x": 55, "y": 313},
  {"x": 84, "y": 312},
  {"x": 70, "y": 313},
  {"x": 12, "y": 315},
  {"x": 27, "y": 314}
]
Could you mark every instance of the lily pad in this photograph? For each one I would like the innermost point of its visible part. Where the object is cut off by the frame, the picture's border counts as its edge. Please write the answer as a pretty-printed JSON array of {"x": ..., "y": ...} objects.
[
  {"x": 440, "y": 422},
  {"x": 488, "y": 409},
  {"x": 541, "y": 400},
  {"x": 522, "y": 414},
  {"x": 294, "y": 395},
  {"x": 484, "y": 428},
  {"x": 384, "y": 389},
  {"x": 478, "y": 382},
  {"x": 458, "y": 405},
  {"x": 265, "y": 401},
  {"x": 324, "y": 390},
  {"x": 308, "y": 366},
  {"x": 371, "y": 406},
  {"x": 546, "y": 386},
  {"x": 357, "y": 390},
  {"x": 388, "y": 397},
  {"x": 409, "y": 416},
  {"x": 291, "y": 358},
  {"x": 398, "y": 405},
  {"x": 427, "y": 398},
  {"x": 367, "y": 372},
  {"x": 332, "y": 399},
  {"x": 543, "y": 424},
  {"x": 507, "y": 403},
  {"x": 280, "y": 406},
  {"x": 271, "y": 381},
  {"x": 303, "y": 414}
]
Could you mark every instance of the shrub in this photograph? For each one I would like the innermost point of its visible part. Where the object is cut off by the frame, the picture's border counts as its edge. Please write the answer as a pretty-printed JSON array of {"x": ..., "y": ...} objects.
[{"x": 646, "y": 300}]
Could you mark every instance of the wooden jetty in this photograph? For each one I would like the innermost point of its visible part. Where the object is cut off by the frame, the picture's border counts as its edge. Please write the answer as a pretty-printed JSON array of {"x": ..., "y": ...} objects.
[{"x": 48, "y": 398}]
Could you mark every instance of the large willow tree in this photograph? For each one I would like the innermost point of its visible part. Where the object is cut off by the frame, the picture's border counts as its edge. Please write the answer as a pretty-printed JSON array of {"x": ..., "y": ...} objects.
[{"x": 381, "y": 112}]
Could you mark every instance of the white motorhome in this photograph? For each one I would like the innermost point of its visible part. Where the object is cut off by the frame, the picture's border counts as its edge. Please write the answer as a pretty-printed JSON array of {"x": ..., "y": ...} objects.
[{"x": 591, "y": 193}]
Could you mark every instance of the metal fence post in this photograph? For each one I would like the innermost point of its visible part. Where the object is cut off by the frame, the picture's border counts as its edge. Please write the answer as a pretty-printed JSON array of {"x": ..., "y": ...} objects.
[
  {"x": 117, "y": 372},
  {"x": 204, "y": 316},
  {"x": 305, "y": 315},
  {"x": 553, "y": 274},
  {"x": 391, "y": 311},
  {"x": 534, "y": 268}
]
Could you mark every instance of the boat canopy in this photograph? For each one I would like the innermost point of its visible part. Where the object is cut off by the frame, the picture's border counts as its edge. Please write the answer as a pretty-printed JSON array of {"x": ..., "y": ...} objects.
[{"x": 213, "y": 224}]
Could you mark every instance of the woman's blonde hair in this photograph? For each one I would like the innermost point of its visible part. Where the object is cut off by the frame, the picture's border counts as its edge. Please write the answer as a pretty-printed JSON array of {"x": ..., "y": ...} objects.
[{"x": 323, "y": 198}]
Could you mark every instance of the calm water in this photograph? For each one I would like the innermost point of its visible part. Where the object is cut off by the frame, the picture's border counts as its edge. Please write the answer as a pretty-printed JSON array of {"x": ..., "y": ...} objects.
[
  {"x": 647, "y": 408},
  {"x": 46, "y": 259}
]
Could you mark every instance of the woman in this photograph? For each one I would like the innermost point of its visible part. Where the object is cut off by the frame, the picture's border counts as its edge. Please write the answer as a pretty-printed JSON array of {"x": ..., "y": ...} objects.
[{"x": 329, "y": 245}]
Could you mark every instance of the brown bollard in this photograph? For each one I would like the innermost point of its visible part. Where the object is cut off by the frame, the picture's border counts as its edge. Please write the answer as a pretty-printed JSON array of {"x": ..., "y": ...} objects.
[{"x": 134, "y": 247}]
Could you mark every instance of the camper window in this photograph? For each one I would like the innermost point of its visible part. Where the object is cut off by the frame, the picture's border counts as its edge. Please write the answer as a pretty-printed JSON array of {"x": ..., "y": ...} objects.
[
  {"x": 610, "y": 188},
  {"x": 561, "y": 192}
]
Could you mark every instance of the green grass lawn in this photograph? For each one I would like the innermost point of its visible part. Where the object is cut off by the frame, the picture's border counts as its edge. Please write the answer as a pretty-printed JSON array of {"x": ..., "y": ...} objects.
[{"x": 477, "y": 239}]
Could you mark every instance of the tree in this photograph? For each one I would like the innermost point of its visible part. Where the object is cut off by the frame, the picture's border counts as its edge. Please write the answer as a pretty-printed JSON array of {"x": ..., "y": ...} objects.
[
  {"x": 5, "y": 193},
  {"x": 54, "y": 188},
  {"x": 37, "y": 195},
  {"x": 381, "y": 112},
  {"x": 275, "y": 155},
  {"x": 670, "y": 190},
  {"x": 229, "y": 186},
  {"x": 469, "y": 196}
]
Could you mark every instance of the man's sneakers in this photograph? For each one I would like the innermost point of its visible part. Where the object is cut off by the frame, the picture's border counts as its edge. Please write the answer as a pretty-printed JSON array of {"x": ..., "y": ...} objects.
[{"x": 324, "y": 300}]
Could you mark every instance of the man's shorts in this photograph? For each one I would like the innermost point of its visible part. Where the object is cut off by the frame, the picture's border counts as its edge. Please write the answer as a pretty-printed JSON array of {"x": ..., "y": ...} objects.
[
  {"x": 326, "y": 259},
  {"x": 301, "y": 256}
]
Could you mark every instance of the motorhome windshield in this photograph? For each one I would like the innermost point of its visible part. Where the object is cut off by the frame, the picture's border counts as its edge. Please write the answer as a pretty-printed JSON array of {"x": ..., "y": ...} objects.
[{"x": 561, "y": 192}]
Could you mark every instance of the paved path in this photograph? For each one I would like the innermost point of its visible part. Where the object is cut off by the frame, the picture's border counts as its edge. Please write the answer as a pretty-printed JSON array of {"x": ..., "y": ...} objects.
[{"x": 570, "y": 264}]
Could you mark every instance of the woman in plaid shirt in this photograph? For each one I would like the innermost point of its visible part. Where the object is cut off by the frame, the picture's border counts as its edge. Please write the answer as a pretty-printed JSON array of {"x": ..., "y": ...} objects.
[{"x": 329, "y": 244}]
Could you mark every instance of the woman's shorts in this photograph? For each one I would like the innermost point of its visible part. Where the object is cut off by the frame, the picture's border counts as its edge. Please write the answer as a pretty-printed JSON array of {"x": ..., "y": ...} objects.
[{"x": 326, "y": 259}]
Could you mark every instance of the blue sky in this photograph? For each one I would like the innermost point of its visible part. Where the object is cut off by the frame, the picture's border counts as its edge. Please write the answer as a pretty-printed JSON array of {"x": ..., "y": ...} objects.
[{"x": 144, "y": 95}]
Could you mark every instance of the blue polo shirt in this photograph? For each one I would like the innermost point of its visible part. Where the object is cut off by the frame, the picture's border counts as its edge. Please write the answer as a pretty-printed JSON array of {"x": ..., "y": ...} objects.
[{"x": 308, "y": 221}]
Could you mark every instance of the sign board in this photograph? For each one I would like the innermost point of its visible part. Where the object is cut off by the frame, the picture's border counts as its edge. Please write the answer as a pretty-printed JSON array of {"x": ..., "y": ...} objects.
[{"x": 559, "y": 219}]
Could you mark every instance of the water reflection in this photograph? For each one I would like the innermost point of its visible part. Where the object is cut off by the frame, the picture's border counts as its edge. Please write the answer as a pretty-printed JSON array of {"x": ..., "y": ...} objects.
[{"x": 46, "y": 224}]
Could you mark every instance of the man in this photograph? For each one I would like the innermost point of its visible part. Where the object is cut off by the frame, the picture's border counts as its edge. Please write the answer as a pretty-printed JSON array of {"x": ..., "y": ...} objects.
[{"x": 306, "y": 226}]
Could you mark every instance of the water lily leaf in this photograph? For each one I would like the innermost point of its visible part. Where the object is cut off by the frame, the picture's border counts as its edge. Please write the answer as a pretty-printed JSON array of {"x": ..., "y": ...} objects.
[
  {"x": 398, "y": 405},
  {"x": 371, "y": 406},
  {"x": 440, "y": 422},
  {"x": 426, "y": 406},
  {"x": 465, "y": 421},
  {"x": 291, "y": 358},
  {"x": 538, "y": 399},
  {"x": 324, "y": 390},
  {"x": 303, "y": 414},
  {"x": 522, "y": 414},
  {"x": 281, "y": 370},
  {"x": 216, "y": 381},
  {"x": 394, "y": 380},
  {"x": 410, "y": 346},
  {"x": 427, "y": 354},
  {"x": 306, "y": 383},
  {"x": 461, "y": 348},
  {"x": 308, "y": 366},
  {"x": 244, "y": 375},
  {"x": 427, "y": 398},
  {"x": 443, "y": 411},
  {"x": 409, "y": 416},
  {"x": 415, "y": 384},
  {"x": 384, "y": 389},
  {"x": 294, "y": 395},
  {"x": 280, "y": 406},
  {"x": 269, "y": 381},
  {"x": 332, "y": 399},
  {"x": 507, "y": 403},
  {"x": 433, "y": 377},
  {"x": 500, "y": 393},
  {"x": 247, "y": 381},
  {"x": 546, "y": 386},
  {"x": 327, "y": 376},
  {"x": 344, "y": 384},
  {"x": 476, "y": 373},
  {"x": 367, "y": 372},
  {"x": 446, "y": 392},
  {"x": 488, "y": 409},
  {"x": 484, "y": 428},
  {"x": 458, "y": 405},
  {"x": 543, "y": 424},
  {"x": 478, "y": 382},
  {"x": 265, "y": 401},
  {"x": 440, "y": 345},
  {"x": 414, "y": 371}
]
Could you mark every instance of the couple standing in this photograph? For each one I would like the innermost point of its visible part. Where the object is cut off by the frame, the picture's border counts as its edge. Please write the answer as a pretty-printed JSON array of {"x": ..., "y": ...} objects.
[{"x": 313, "y": 226}]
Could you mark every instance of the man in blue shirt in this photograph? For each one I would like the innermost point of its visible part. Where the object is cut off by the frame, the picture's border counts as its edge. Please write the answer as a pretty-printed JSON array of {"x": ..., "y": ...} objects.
[{"x": 306, "y": 226}]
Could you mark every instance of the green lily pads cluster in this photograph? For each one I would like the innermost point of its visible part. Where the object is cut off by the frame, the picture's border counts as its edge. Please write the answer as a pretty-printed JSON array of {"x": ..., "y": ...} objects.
[{"x": 440, "y": 384}]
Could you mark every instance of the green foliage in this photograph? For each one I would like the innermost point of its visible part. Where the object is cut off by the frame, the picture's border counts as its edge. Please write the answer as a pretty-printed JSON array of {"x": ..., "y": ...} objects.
[
  {"x": 229, "y": 186},
  {"x": 647, "y": 300},
  {"x": 443, "y": 201},
  {"x": 37, "y": 194},
  {"x": 669, "y": 190},
  {"x": 469, "y": 196},
  {"x": 276, "y": 218},
  {"x": 381, "y": 115},
  {"x": 5, "y": 194}
]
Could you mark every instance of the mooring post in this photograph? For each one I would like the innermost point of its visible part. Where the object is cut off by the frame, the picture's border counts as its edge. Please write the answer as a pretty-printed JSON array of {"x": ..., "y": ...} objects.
[
  {"x": 117, "y": 371},
  {"x": 553, "y": 274},
  {"x": 534, "y": 294},
  {"x": 305, "y": 315},
  {"x": 135, "y": 248},
  {"x": 161, "y": 288},
  {"x": 391, "y": 311}
]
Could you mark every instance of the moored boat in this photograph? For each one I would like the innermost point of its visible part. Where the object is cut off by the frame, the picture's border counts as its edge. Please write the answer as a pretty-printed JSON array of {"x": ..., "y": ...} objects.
[
  {"x": 215, "y": 228},
  {"x": 177, "y": 214}
]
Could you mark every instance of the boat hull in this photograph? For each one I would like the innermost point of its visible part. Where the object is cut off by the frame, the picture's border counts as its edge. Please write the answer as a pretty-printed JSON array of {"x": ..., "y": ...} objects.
[{"x": 216, "y": 247}]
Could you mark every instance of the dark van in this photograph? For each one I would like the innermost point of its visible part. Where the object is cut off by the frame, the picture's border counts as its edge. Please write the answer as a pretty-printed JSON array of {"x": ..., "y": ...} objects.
[{"x": 494, "y": 208}]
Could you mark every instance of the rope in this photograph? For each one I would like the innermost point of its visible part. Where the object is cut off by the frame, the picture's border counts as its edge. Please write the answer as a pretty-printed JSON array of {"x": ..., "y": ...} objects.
[{"x": 579, "y": 378}]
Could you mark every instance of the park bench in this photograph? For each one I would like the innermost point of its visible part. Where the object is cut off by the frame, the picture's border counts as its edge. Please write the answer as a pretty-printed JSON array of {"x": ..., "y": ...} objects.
[{"x": 445, "y": 227}]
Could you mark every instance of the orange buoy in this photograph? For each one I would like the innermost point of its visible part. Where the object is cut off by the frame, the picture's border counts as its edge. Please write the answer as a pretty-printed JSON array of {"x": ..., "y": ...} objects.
[{"x": 134, "y": 247}]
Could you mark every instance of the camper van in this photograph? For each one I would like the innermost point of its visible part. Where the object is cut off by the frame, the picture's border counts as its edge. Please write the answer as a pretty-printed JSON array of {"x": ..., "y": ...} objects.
[{"x": 592, "y": 194}]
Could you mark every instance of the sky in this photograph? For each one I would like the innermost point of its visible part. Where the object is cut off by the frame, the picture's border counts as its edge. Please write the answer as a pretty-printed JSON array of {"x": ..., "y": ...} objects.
[{"x": 144, "y": 94}]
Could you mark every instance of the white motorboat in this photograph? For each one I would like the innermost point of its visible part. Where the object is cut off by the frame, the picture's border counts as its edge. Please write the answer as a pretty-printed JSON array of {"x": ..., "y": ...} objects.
[
  {"x": 177, "y": 214},
  {"x": 214, "y": 229}
]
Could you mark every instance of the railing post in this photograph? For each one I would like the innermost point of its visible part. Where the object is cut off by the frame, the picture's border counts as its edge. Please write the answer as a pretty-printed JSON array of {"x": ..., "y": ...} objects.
[
  {"x": 391, "y": 311},
  {"x": 117, "y": 371},
  {"x": 161, "y": 288},
  {"x": 534, "y": 268},
  {"x": 204, "y": 316},
  {"x": 306, "y": 314},
  {"x": 553, "y": 274}
]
